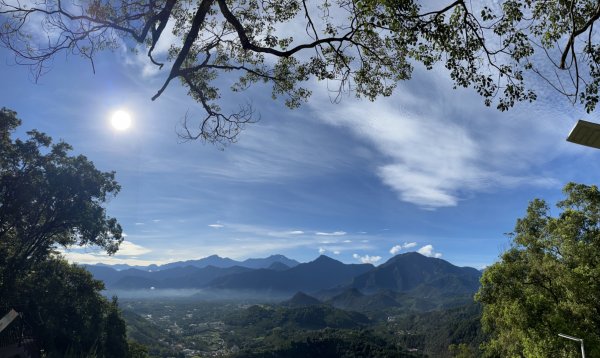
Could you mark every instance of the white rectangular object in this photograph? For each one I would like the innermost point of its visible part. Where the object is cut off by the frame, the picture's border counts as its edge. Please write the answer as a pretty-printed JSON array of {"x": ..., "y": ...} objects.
[{"x": 7, "y": 319}]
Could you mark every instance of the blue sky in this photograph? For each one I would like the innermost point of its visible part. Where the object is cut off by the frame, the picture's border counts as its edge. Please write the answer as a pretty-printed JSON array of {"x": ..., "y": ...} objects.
[{"x": 430, "y": 168}]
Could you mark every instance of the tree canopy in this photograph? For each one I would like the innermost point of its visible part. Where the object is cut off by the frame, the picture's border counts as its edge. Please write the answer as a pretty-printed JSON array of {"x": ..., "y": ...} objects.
[
  {"x": 48, "y": 199},
  {"x": 548, "y": 282},
  {"x": 363, "y": 47},
  {"x": 68, "y": 315}
]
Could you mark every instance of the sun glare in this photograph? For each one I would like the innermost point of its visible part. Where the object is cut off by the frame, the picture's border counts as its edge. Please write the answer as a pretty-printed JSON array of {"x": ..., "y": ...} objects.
[{"x": 120, "y": 120}]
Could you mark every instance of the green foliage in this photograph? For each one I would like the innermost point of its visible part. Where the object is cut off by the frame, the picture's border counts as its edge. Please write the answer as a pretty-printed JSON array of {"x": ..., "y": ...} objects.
[
  {"x": 137, "y": 350},
  {"x": 548, "y": 282},
  {"x": 48, "y": 199},
  {"x": 234, "y": 328},
  {"x": 310, "y": 317},
  {"x": 461, "y": 350},
  {"x": 115, "y": 343},
  {"x": 68, "y": 315},
  {"x": 333, "y": 343},
  {"x": 441, "y": 333},
  {"x": 363, "y": 47}
]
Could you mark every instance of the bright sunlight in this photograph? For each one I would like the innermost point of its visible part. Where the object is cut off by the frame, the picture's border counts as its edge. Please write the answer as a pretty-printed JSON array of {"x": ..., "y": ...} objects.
[{"x": 121, "y": 120}]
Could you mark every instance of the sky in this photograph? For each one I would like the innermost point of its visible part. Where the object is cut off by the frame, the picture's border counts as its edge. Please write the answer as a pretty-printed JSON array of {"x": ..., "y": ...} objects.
[{"x": 429, "y": 169}]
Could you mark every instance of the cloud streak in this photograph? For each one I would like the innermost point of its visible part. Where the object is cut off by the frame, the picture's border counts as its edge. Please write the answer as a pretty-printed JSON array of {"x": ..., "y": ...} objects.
[
  {"x": 334, "y": 233},
  {"x": 436, "y": 151}
]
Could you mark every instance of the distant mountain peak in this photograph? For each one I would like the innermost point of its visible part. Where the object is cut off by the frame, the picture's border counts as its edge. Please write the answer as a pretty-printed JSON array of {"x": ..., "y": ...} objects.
[
  {"x": 325, "y": 258},
  {"x": 301, "y": 299},
  {"x": 409, "y": 254},
  {"x": 412, "y": 270}
]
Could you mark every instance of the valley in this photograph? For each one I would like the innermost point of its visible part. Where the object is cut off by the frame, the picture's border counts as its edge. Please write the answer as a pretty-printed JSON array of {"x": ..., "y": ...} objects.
[{"x": 410, "y": 306}]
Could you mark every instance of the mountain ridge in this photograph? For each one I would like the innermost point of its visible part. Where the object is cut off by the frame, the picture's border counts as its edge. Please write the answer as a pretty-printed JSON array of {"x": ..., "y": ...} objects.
[
  {"x": 212, "y": 260},
  {"x": 408, "y": 280},
  {"x": 321, "y": 273},
  {"x": 415, "y": 272}
]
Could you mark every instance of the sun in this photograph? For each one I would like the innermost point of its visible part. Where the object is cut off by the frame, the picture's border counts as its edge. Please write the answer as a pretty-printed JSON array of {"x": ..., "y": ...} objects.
[{"x": 120, "y": 120}]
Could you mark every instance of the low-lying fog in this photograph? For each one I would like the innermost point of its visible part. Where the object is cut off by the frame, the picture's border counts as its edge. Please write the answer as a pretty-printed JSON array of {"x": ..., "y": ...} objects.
[{"x": 199, "y": 294}]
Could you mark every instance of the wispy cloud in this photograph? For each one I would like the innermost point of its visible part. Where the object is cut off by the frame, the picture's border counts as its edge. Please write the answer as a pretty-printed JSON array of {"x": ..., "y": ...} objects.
[
  {"x": 436, "y": 151},
  {"x": 334, "y": 233},
  {"x": 296, "y": 232},
  {"x": 139, "y": 59},
  {"x": 216, "y": 226}
]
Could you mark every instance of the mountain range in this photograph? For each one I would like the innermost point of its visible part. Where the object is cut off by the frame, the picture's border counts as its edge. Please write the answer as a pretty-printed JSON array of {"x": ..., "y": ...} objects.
[
  {"x": 213, "y": 260},
  {"x": 406, "y": 281}
]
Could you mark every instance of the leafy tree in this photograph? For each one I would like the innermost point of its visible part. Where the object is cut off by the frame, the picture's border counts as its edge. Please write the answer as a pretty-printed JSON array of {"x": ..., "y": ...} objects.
[
  {"x": 115, "y": 344},
  {"x": 48, "y": 199},
  {"x": 359, "y": 46},
  {"x": 548, "y": 282},
  {"x": 137, "y": 350},
  {"x": 68, "y": 315},
  {"x": 461, "y": 350}
]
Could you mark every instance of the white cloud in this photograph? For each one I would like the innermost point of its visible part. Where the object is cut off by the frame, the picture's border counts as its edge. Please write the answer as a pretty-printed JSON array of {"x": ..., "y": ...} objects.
[
  {"x": 436, "y": 150},
  {"x": 95, "y": 258},
  {"x": 336, "y": 252},
  {"x": 140, "y": 60},
  {"x": 268, "y": 152},
  {"x": 367, "y": 259},
  {"x": 128, "y": 248},
  {"x": 335, "y": 233},
  {"x": 347, "y": 241},
  {"x": 322, "y": 251},
  {"x": 397, "y": 248},
  {"x": 128, "y": 253},
  {"x": 296, "y": 232},
  {"x": 216, "y": 226},
  {"x": 428, "y": 250}
]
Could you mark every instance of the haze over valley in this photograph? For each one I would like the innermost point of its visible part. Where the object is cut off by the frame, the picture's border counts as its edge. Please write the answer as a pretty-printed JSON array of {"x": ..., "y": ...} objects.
[{"x": 278, "y": 300}]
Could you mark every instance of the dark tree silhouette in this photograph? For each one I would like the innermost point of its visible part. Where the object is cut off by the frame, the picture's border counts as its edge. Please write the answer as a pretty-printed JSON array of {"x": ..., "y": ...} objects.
[{"x": 48, "y": 199}]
